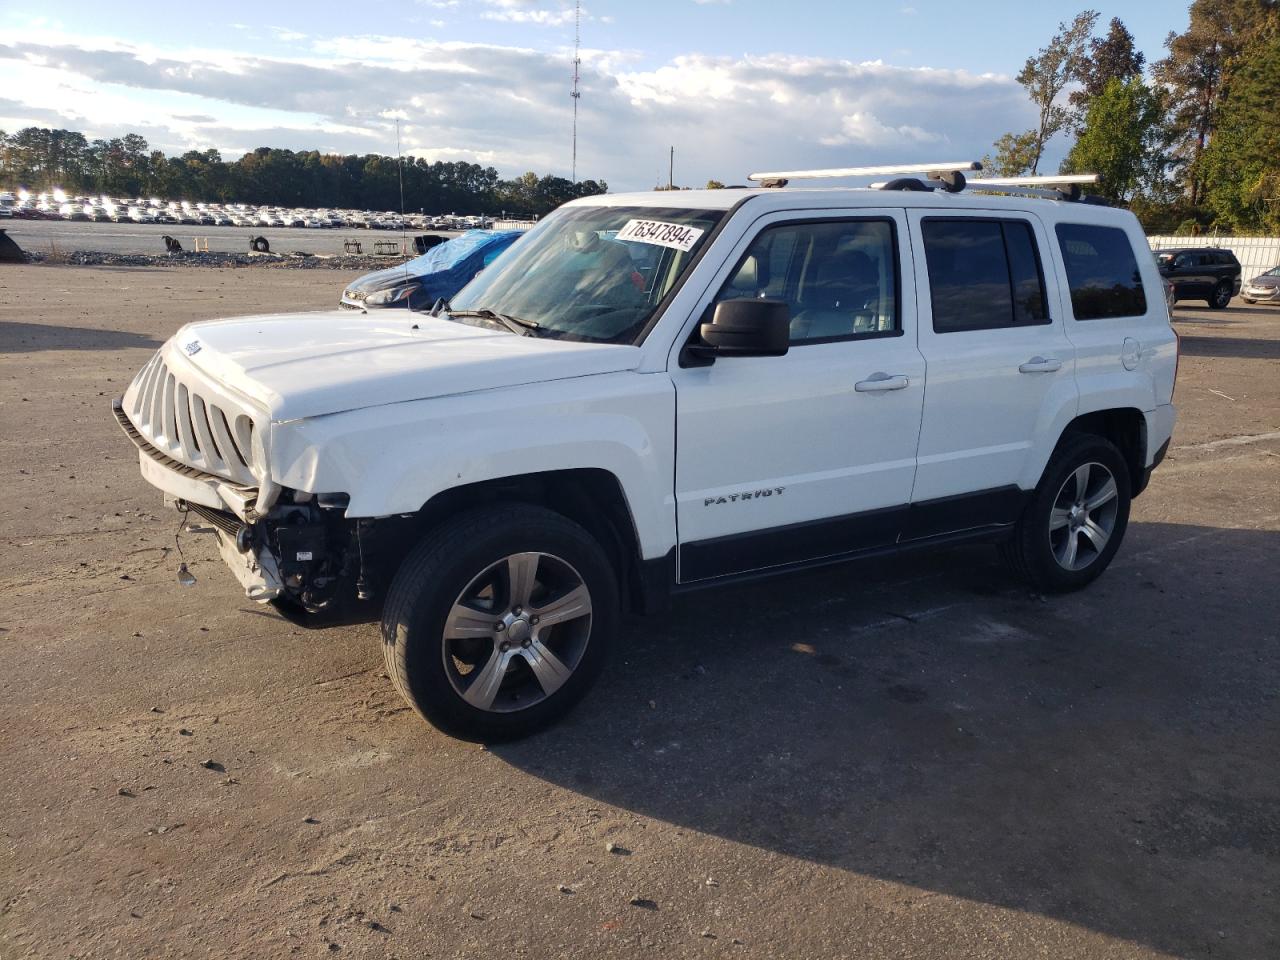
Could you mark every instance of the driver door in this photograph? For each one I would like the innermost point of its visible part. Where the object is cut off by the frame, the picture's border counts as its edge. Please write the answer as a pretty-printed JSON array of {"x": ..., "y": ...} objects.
[{"x": 808, "y": 456}]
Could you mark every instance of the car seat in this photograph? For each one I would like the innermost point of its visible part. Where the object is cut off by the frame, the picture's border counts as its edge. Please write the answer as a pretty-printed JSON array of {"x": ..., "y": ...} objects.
[{"x": 835, "y": 303}]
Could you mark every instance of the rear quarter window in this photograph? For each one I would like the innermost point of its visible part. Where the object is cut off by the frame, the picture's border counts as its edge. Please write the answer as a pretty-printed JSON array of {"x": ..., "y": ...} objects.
[{"x": 1102, "y": 272}]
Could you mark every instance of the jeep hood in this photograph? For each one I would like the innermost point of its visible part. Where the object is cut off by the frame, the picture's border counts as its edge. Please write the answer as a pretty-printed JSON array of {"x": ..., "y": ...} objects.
[{"x": 310, "y": 364}]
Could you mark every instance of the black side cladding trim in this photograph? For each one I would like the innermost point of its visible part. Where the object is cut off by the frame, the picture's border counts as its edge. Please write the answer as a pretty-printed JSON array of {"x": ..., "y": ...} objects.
[
  {"x": 794, "y": 543},
  {"x": 656, "y": 581},
  {"x": 661, "y": 309},
  {"x": 966, "y": 511},
  {"x": 980, "y": 535},
  {"x": 1141, "y": 481},
  {"x": 833, "y": 538}
]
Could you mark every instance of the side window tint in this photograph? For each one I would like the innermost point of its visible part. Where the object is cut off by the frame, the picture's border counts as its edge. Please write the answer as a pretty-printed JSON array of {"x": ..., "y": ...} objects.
[
  {"x": 1024, "y": 273},
  {"x": 1102, "y": 272},
  {"x": 839, "y": 278},
  {"x": 983, "y": 274}
]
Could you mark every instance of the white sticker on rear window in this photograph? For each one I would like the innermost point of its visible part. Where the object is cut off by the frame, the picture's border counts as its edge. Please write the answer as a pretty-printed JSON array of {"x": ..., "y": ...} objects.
[{"x": 673, "y": 235}]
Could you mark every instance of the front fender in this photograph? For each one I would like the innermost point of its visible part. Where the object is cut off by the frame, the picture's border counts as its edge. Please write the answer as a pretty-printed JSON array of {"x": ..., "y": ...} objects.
[{"x": 392, "y": 459}]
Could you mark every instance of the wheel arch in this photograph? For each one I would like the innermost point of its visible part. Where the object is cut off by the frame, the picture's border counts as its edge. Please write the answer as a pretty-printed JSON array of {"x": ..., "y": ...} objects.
[
  {"x": 1126, "y": 427},
  {"x": 591, "y": 497}
]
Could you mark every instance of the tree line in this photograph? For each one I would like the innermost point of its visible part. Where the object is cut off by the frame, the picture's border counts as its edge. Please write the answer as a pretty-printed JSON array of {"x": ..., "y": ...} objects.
[
  {"x": 1189, "y": 143},
  {"x": 39, "y": 158}
]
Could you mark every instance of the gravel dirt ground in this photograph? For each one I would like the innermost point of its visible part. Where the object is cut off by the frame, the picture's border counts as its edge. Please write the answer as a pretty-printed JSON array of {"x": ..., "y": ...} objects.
[{"x": 912, "y": 758}]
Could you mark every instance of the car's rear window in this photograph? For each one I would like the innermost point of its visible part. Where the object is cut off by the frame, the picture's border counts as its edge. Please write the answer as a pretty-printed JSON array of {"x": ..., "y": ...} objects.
[
  {"x": 984, "y": 274},
  {"x": 1102, "y": 272}
]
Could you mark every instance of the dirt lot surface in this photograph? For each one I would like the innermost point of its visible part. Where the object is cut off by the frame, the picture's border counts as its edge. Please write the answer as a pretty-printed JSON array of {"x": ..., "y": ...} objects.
[{"x": 896, "y": 759}]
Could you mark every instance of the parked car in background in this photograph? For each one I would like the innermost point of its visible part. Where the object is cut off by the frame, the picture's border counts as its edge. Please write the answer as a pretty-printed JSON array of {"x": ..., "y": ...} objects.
[
  {"x": 1201, "y": 273},
  {"x": 1265, "y": 286},
  {"x": 438, "y": 274}
]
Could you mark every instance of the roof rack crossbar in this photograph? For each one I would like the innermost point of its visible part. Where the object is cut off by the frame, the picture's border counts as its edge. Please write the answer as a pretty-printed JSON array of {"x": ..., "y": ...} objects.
[
  {"x": 1052, "y": 180},
  {"x": 889, "y": 170},
  {"x": 1056, "y": 187}
]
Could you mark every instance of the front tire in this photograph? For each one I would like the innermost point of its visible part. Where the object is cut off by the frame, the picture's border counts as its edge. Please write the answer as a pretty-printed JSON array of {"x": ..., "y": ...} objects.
[
  {"x": 497, "y": 623},
  {"x": 1076, "y": 520}
]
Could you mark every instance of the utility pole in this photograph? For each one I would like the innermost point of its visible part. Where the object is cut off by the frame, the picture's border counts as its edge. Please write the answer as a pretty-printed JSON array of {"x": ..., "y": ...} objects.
[
  {"x": 576, "y": 94},
  {"x": 671, "y": 170}
]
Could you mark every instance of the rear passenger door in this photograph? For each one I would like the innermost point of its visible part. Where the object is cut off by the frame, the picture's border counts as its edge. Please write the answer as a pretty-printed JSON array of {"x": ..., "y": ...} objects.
[
  {"x": 999, "y": 366},
  {"x": 1193, "y": 270}
]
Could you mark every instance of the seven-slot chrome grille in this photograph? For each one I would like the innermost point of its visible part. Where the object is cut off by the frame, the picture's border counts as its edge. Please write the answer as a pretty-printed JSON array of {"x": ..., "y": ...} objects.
[{"x": 183, "y": 423}]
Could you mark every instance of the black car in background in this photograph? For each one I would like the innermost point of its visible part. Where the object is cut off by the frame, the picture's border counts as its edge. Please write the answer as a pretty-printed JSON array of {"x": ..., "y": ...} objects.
[{"x": 1201, "y": 273}]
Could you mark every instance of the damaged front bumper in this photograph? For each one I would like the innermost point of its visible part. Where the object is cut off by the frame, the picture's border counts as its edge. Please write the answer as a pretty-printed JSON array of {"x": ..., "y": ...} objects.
[
  {"x": 257, "y": 570},
  {"x": 299, "y": 551},
  {"x": 184, "y": 482}
]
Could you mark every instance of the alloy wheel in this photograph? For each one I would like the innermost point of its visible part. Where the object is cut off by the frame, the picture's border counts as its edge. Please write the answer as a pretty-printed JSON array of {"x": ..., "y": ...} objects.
[
  {"x": 1083, "y": 517},
  {"x": 517, "y": 632}
]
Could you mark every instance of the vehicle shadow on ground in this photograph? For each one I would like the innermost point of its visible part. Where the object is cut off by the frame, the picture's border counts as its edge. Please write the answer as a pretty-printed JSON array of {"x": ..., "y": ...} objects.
[
  {"x": 1097, "y": 758},
  {"x": 34, "y": 337},
  {"x": 1247, "y": 348},
  {"x": 1203, "y": 320}
]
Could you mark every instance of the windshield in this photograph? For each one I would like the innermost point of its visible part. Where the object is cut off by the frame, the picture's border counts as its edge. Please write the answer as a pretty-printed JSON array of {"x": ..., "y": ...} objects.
[
  {"x": 1273, "y": 272},
  {"x": 591, "y": 273}
]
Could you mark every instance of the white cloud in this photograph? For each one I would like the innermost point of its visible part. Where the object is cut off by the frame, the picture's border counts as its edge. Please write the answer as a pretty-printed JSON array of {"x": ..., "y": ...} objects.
[
  {"x": 866, "y": 130},
  {"x": 510, "y": 106},
  {"x": 524, "y": 11},
  {"x": 545, "y": 18}
]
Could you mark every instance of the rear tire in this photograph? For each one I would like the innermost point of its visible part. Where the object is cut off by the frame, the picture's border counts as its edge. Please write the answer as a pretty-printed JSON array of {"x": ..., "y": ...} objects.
[
  {"x": 1220, "y": 297},
  {"x": 1076, "y": 520},
  {"x": 498, "y": 622}
]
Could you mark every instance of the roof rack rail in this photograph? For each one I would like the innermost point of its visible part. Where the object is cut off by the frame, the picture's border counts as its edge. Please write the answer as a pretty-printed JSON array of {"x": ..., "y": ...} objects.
[
  {"x": 1053, "y": 187},
  {"x": 948, "y": 174},
  {"x": 1065, "y": 186}
]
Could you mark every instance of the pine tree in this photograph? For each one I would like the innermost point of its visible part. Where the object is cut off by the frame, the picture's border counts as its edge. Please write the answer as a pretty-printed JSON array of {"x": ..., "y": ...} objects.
[
  {"x": 1241, "y": 164},
  {"x": 1195, "y": 74},
  {"x": 1112, "y": 57}
]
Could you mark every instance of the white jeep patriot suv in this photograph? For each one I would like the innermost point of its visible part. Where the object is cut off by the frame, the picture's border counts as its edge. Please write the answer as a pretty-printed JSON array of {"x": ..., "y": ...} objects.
[{"x": 653, "y": 393}]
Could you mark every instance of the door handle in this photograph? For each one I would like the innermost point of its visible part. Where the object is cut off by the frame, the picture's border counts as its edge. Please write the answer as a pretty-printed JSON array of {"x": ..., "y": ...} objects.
[
  {"x": 1040, "y": 365},
  {"x": 880, "y": 382}
]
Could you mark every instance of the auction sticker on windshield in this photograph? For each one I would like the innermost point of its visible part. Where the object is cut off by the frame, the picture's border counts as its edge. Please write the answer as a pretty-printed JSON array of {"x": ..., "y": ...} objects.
[{"x": 674, "y": 235}]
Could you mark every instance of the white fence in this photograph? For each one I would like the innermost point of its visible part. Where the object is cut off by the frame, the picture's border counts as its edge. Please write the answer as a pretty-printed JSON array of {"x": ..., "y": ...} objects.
[
  {"x": 514, "y": 224},
  {"x": 1256, "y": 254}
]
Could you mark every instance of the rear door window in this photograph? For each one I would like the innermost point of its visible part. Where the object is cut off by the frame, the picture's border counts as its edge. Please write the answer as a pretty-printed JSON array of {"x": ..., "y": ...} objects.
[
  {"x": 1102, "y": 272},
  {"x": 984, "y": 274}
]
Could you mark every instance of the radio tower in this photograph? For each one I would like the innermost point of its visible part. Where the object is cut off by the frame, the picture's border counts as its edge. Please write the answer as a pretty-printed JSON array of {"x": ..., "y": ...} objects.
[{"x": 575, "y": 93}]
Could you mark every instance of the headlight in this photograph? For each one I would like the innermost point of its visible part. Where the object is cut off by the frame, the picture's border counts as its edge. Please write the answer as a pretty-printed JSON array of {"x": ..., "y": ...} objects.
[{"x": 394, "y": 295}]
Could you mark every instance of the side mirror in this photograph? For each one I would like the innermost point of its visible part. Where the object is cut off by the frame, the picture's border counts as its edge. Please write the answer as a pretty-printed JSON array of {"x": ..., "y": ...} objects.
[{"x": 746, "y": 327}]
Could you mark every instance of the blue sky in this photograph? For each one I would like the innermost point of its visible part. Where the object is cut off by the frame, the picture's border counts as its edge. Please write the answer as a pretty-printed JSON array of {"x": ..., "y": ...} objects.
[{"x": 735, "y": 85}]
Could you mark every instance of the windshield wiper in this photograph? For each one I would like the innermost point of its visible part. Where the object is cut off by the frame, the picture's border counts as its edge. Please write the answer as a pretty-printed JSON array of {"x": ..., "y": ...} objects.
[{"x": 514, "y": 324}]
